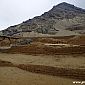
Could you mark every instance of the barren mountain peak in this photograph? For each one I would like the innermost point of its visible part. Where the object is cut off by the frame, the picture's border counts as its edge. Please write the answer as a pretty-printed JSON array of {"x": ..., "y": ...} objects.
[
  {"x": 62, "y": 19},
  {"x": 69, "y": 7}
]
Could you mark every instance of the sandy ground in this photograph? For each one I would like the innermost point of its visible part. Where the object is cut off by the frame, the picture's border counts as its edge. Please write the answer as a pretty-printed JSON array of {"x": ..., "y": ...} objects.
[
  {"x": 72, "y": 61},
  {"x": 16, "y": 76}
]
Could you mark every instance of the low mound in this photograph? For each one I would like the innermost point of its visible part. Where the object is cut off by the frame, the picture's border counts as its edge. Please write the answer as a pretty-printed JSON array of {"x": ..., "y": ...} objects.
[
  {"x": 42, "y": 49},
  {"x": 4, "y": 42},
  {"x": 54, "y": 71},
  {"x": 77, "y": 40},
  {"x": 50, "y": 40}
]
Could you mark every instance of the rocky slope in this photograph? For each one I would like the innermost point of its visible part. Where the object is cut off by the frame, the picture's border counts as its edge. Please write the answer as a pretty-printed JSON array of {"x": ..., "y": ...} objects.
[{"x": 62, "y": 20}]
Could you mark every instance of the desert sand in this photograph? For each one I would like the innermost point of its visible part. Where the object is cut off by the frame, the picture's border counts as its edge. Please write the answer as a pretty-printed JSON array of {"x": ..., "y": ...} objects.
[{"x": 15, "y": 76}]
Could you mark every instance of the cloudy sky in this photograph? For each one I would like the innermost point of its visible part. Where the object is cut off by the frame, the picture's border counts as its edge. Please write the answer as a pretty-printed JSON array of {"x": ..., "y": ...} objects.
[{"x": 16, "y": 11}]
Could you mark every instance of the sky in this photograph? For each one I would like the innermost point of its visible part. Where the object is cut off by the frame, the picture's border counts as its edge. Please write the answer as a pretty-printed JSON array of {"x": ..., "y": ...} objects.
[{"x": 13, "y": 12}]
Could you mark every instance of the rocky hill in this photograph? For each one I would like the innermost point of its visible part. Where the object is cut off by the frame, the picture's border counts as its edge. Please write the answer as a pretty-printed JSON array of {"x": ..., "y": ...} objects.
[{"x": 62, "y": 20}]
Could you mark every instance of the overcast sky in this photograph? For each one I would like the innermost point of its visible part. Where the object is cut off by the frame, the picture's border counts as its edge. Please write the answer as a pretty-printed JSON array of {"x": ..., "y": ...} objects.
[{"x": 13, "y": 12}]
